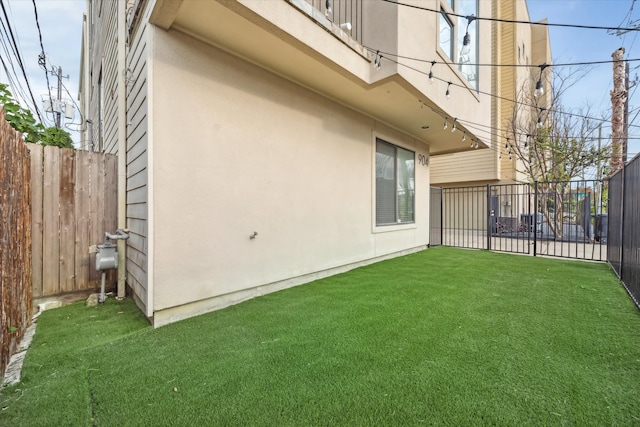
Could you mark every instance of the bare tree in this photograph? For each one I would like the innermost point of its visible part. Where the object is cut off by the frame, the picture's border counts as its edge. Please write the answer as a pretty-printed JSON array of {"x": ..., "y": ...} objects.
[{"x": 553, "y": 145}]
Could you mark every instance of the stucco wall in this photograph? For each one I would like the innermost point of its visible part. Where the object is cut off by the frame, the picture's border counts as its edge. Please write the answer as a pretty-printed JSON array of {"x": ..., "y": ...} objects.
[{"x": 237, "y": 149}]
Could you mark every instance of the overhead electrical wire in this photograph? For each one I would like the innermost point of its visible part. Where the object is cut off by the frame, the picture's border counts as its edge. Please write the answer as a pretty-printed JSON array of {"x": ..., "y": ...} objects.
[
  {"x": 42, "y": 59},
  {"x": 18, "y": 90},
  {"x": 19, "y": 58}
]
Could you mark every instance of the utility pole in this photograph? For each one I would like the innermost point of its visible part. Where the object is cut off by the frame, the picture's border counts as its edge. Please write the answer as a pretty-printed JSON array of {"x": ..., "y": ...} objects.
[
  {"x": 625, "y": 127},
  {"x": 618, "y": 101},
  {"x": 599, "y": 173},
  {"x": 59, "y": 112},
  {"x": 57, "y": 105}
]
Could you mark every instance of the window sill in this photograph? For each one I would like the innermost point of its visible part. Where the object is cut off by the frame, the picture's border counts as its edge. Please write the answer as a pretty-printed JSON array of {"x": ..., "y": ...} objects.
[{"x": 394, "y": 227}]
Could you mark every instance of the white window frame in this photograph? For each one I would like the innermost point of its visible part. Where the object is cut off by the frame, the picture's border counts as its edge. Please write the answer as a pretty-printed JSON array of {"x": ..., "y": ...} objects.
[{"x": 392, "y": 226}]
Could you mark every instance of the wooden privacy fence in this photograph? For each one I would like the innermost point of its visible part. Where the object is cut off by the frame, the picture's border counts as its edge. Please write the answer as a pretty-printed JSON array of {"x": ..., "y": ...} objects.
[
  {"x": 74, "y": 203},
  {"x": 15, "y": 240}
]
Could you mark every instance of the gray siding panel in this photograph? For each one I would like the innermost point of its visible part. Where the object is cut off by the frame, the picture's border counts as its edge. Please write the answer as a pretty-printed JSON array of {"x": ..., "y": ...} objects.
[{"x": 137, "y": 180}]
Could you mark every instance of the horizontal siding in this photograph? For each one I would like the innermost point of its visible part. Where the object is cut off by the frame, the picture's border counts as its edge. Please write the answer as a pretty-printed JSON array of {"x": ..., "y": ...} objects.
[
  {"x": 476, "y": 165},
  {"x": 137, "y": 180},
  {"x": 110, "y": 79}
]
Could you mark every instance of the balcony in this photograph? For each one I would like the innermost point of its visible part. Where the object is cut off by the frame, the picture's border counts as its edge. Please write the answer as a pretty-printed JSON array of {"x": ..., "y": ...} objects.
[
  {"x": 296, "y": 40},
  {"x": 346, "y": 14}
]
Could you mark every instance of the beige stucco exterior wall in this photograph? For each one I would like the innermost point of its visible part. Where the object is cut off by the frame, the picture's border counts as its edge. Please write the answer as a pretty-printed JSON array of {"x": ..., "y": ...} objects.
[{"x": 238, "y": 150}]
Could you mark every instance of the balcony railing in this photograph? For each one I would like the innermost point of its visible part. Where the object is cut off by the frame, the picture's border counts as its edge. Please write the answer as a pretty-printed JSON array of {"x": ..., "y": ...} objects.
[{"x": 347, "y": 14}]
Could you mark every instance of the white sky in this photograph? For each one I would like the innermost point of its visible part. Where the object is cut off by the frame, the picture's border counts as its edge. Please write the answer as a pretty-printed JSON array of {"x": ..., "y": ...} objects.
[{"x": 61, "y": 25}]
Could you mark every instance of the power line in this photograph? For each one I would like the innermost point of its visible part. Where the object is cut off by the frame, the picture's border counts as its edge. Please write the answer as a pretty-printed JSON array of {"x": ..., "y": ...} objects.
[
  {"x": 19, "y": 58},
  {"x": 18, "y": 90},
  {"x": 509, "y": 21},
  {"x": 42, "y": 61}
]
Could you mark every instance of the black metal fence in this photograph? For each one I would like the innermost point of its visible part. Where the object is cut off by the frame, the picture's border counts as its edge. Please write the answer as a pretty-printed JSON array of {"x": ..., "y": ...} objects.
[
  {"x": 624, "y": 227},
  {"x": 561, "y": 219}
]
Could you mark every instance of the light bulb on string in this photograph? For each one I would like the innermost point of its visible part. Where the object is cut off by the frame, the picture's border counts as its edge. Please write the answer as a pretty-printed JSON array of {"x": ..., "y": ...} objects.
[
  {"x": 464, "y": 136},
  {"x": 540, "y": 118},
  {"x": 377, "y": 61},
  {"x": 466, "y": 40},
  {"x": 539, "y": 86},
  {"x": 476, "y": 145},
  {"x": 431, "y": 72},
  {"x": 446, "y": 123},
  {"x": 448, "y": 93},
  {"x": 453, "y": 128}
]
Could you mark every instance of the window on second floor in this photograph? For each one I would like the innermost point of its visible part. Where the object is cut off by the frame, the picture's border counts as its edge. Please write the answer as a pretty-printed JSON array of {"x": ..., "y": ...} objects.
[
  {"x": 453, "y": 30},
  {"x": 446, "y": 35}
]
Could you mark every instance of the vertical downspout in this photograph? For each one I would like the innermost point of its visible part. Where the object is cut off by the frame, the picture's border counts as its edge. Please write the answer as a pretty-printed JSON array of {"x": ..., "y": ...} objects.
[{"x": 122, "y": 144}]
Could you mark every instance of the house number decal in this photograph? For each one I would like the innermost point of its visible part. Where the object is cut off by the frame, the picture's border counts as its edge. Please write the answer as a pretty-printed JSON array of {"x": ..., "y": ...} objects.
[{"x": 423, "y": 160}]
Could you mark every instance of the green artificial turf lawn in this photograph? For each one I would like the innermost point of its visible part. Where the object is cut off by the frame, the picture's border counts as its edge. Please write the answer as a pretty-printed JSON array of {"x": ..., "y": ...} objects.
[{"x": 445, "y": 337}]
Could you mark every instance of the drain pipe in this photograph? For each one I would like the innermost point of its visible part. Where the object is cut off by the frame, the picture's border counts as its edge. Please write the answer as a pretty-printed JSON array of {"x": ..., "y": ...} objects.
[{"x": 122, "y": 145}]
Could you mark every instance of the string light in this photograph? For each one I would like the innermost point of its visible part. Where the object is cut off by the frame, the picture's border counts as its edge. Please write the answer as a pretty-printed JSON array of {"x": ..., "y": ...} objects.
[
  {"x": 493, "y": 95},
  {"x": 539, "y": 124},
  {"x": 464, "y": 137},
  {"x": 466, "y": 41},
  {"x": 476, "y": 146},
  {"x": 446, "y": 124},
  {"x": 328, "y": 9},
  {"x": 539, "y": 86},
  {"x": 377, "y": 61},
  {"x": 453, "y": 128},
  {"x": 431, "y": 72},
  {"x": 502, "y": 65},
  {"x": 448, "y": 93}
]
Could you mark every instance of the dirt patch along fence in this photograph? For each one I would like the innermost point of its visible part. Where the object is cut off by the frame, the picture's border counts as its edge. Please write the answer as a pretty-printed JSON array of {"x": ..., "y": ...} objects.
[
  {"x": 15, "y": 240},
  {"x": 74, "y": 203}
]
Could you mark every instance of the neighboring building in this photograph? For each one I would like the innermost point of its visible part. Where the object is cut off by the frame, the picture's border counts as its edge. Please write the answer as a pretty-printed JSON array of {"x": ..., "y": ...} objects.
[
  {"x": 517, "y": 44},
  {"x": 259, "y": 147}
]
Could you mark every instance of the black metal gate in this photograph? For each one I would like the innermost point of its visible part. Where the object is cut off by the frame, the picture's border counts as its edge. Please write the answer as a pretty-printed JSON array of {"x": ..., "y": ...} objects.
[{"x": 562, "y": 219}]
